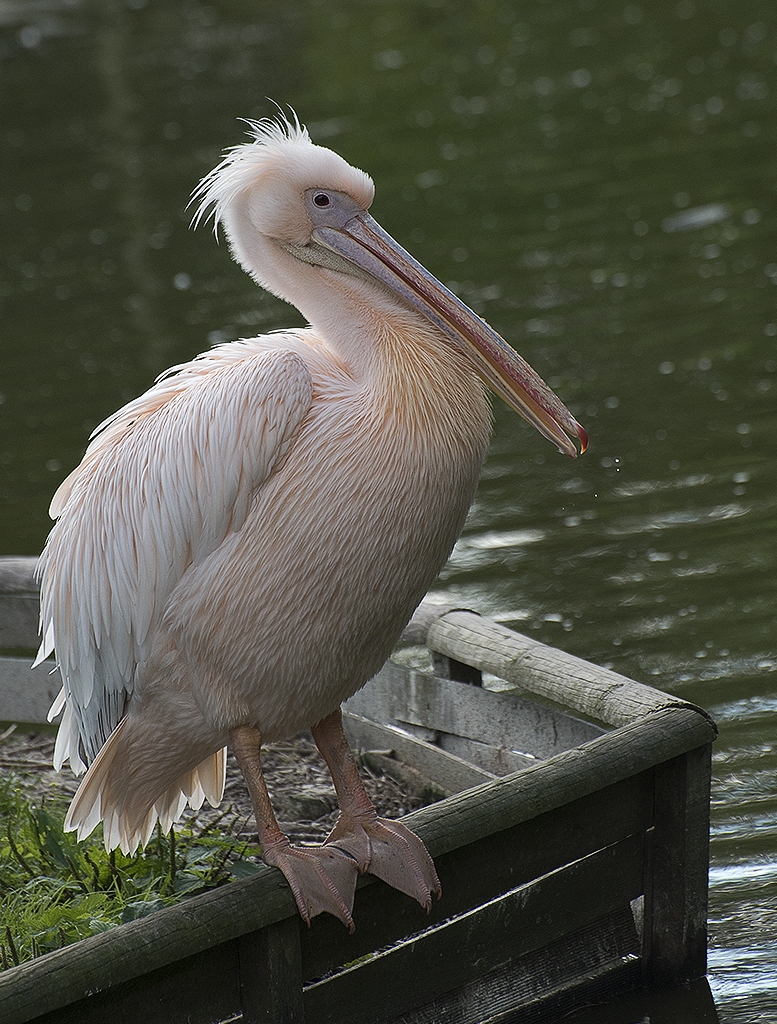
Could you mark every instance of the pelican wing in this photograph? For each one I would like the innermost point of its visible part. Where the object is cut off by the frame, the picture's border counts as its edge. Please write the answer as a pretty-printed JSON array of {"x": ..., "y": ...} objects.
[{"x": 161, "y": 485}]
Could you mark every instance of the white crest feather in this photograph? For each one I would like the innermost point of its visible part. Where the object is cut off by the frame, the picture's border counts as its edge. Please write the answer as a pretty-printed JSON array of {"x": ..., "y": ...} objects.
[{"x": 269, "y": 138}]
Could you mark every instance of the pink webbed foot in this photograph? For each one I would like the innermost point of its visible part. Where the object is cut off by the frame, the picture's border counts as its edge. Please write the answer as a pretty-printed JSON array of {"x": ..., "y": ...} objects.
[
  {"x": 322, "y": 879},
  {"x": 384, "y": 848},
  {"x": 391, "y": 852}
]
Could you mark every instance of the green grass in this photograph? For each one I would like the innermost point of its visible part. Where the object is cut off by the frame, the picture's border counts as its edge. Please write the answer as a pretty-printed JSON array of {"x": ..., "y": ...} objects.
[{"x": 55, "y": 890}]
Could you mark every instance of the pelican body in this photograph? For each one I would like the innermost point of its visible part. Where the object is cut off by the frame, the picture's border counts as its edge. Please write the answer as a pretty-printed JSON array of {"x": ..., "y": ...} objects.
[{"x": 241, "y": 546}]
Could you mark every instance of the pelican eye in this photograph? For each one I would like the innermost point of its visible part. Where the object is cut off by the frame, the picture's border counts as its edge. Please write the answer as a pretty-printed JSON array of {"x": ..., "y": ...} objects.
[{"x": 322, "y": 200}]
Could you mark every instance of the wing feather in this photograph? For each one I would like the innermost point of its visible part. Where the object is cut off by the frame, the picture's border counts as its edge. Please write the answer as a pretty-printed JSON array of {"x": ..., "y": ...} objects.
[{"x": 161, "y": 485}]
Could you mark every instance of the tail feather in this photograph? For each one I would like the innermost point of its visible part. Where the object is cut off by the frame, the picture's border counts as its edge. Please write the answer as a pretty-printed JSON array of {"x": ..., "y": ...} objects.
[
  {"x": 68, "y": 746},
  {"x": 130, "y": 812}
]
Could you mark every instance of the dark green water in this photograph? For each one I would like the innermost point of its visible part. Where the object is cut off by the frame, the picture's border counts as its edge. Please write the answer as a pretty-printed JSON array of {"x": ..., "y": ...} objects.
[{"x": 597, "y": 178}]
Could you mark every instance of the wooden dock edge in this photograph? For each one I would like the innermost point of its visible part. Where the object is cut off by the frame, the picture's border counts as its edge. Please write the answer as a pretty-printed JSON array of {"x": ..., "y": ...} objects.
[
  {"x": 555, "y": 856},
  {"x": 676, "y": 926}
]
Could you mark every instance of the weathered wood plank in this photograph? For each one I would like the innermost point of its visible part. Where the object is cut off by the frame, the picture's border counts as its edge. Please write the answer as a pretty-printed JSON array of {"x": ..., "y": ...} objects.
[
  {"x": 450, "y": 772},
  {"x": 616, "y": 755},
  {"x": 203, "y": 988},
  {"x": 27, "y": 693},
  {"x": 405, "y": 696},
  {"x": 19, "y": 621},
  {"x": 201, "y": 923},
  {"x": 497, "y": 760},
  {"x": 595, "y": 964},
  {"x": 593, "y": 691},
  {"x": 17, "y": 574},
  {"x": 430, "y": 965},
  {"x": 18, "y": 603},
  {"x": 513, "y": 856}
]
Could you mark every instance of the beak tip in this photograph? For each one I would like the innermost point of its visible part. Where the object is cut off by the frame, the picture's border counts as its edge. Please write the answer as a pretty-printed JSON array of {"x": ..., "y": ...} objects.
[
  {"x": 580, "y": 431},
  {"x": 569, "y": 447}
]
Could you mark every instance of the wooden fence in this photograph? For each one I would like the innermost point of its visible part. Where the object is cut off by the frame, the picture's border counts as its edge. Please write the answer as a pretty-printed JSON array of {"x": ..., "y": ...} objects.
[{"x": 572, "y": 852}]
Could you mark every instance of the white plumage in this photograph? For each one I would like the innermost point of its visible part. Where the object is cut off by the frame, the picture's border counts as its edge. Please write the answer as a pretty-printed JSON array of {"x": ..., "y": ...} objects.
[{"x": 241, "y": 546}]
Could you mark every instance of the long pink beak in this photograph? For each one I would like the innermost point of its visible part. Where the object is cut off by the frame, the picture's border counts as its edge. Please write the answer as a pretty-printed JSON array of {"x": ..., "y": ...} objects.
[{"x": 362, "y": 241}]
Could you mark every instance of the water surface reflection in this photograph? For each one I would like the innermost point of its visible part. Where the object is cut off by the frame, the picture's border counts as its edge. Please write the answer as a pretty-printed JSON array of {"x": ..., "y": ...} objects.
[{"x": 597, "y": 179}]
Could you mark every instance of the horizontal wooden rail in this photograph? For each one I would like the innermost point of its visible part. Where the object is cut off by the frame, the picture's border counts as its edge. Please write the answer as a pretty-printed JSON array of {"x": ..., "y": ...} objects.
[{"x": 546, "y": 671}]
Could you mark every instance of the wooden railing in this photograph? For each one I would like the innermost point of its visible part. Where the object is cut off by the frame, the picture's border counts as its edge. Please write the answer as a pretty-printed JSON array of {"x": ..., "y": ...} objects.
[{"x": 581, "y": 874}]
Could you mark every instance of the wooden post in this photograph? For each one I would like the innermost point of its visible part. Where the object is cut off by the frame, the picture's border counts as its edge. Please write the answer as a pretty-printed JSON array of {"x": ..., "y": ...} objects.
[
  {"x": 445, "y": 667},
  {"x": 458, "y": 671},
  {"x": 675, "y": 936},
  {"x": 270, "y": 968}
]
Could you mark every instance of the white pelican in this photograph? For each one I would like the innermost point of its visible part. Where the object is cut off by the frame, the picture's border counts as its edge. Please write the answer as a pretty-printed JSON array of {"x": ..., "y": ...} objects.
[{"x": 241, "y": 546}]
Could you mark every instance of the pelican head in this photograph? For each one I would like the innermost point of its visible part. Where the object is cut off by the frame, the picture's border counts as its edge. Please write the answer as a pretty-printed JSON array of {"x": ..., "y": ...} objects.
[{"x": 296, "y": 213}]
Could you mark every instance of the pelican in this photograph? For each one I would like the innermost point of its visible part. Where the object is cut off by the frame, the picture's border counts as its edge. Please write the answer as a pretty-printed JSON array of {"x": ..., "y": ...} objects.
[{"x": 242, "y": 545}]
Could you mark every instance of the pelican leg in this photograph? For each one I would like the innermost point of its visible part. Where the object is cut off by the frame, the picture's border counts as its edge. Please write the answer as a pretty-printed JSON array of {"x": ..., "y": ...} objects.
[
  {"x": 321, "y": 878},
  {"x": 380, "y": 846}
]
